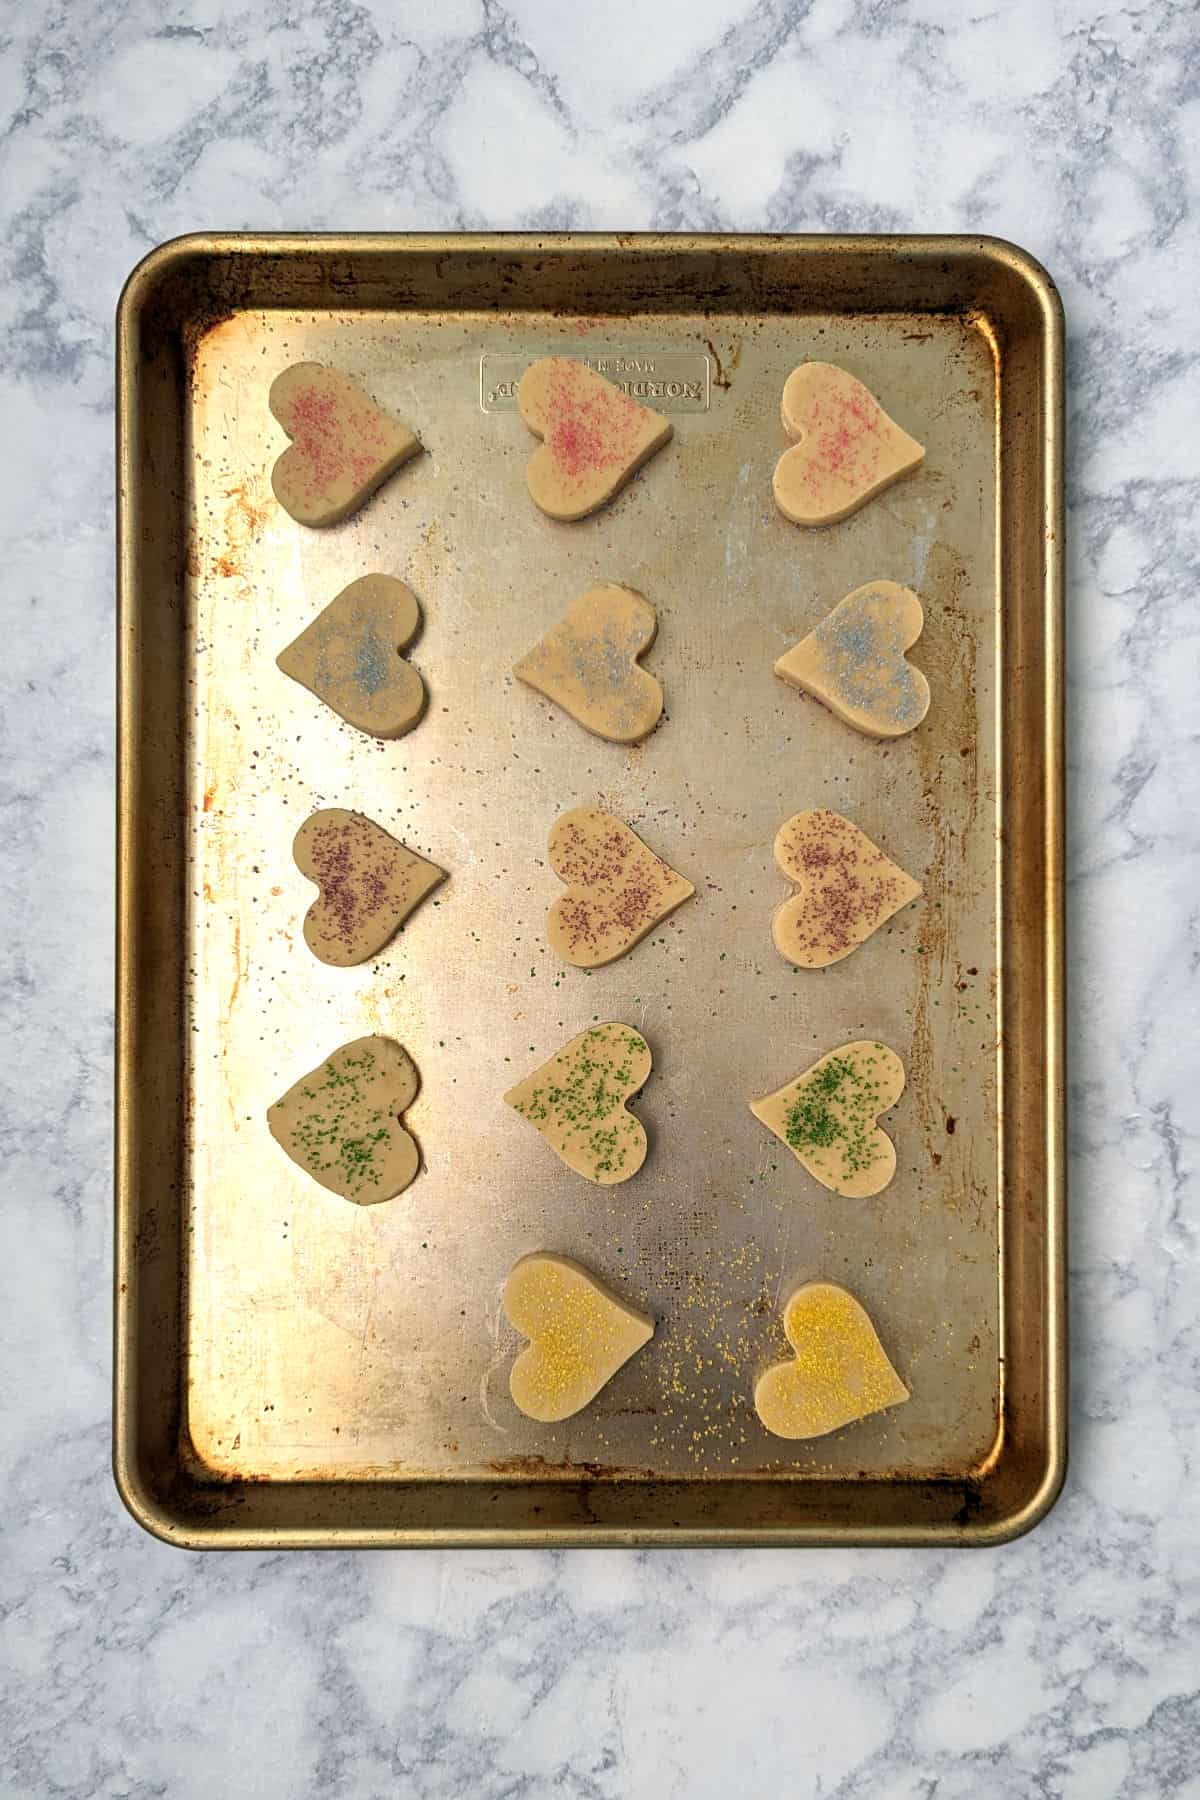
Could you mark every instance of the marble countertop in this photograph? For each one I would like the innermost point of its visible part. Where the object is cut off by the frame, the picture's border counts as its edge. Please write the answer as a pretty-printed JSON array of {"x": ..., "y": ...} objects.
[{"x": 1066, "y": 1665}]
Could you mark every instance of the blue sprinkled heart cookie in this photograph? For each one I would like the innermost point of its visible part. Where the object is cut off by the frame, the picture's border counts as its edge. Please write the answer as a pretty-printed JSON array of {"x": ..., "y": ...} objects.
[
  {"x": 351, "y": 656},
  {"x": 855, "y": 662}
]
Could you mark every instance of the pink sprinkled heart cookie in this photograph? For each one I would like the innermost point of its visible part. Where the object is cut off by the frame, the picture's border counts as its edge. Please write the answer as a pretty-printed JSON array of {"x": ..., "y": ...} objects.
[
  {"x": 343, "y": 445},
  {"x": 594, "y": 437},
  {"x": 845, "y": 447}
]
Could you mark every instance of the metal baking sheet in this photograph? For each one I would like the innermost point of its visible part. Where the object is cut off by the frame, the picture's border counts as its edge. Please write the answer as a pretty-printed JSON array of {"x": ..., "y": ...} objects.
[{"x": 294, "y": 1370}]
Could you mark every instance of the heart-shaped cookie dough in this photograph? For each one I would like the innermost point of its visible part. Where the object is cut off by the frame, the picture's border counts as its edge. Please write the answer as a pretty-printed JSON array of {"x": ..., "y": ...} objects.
[
  {"x": 854, "y": 661},
  {"x": 827, "y": 1117},
  {"x": 595, "y": 438},
  {"x": 845, "y": 448},
  {"x": 588, "y": 664},
  {"x": 840, "y": 1371},
  {"x": 580, "y": 1333},
  {"x": 340, "y": 1122},
  {"x": 350, "y": 656},
  {"x": 369, "y": 884},
  {"x": 848, "y": 888},
  {"x": 343, "y": 445},
  {"x": 618, "y": 890},
  {"x": 577, "y": 1102}
]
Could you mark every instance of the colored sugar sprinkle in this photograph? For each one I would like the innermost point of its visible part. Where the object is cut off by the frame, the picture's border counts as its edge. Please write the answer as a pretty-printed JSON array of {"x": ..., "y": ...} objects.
[
  {"x": 838, "y": 1106},
  {"x": 338, "y": 435},
  {"x": 627, "y": 882},
  {"x": 602, "y": 662},
  {"x": 846, "y": 435},
  {"x": 320, "y": 1139},
  {"x": 865, "y": 655},
  {"x": 374, "y": 662},
  {"x": 852, "y": 883},
  {"x": 592, "y": 426},
  {"x": 355, "y": 873}
]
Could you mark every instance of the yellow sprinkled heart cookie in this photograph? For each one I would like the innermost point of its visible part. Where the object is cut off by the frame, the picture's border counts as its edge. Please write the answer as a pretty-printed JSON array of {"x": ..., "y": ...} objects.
[
  {"x": 618, "y": 890},
  {"x": 854, "y": 661},
  {"x": 350, "y": 656},
  {"x": 845, "y": 447},
  {"x": 341, "y": 1122},
  {"x": 847, "y": 887},
  {"x": 594, "y": 437},
  {"x": 588, "y": 664},
  {"x": 827, "y": 1117},
  {"x": 840, "y": 1372},
  {"x": 343, "y": 445},
  {"x": 369, "y": 884},
  {"x": 580, "y": 1333},
  {"x": 577, "y": 1101}
]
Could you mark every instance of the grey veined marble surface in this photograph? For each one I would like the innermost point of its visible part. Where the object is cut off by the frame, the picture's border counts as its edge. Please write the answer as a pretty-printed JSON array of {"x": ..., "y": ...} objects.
[{"x": 1065, "y": 1665}]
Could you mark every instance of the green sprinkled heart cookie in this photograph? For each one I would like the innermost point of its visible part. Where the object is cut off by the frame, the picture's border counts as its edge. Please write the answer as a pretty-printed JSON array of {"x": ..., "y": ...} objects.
[
  {"x": 827, "y": 1117},
  {"x": 577, "y": 1101},
  {"x": 341, "y": 1123}
]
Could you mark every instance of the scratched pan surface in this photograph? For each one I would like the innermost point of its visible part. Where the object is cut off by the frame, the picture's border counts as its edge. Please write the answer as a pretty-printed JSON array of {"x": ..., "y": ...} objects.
[{"x": 292, "y": 1369}]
